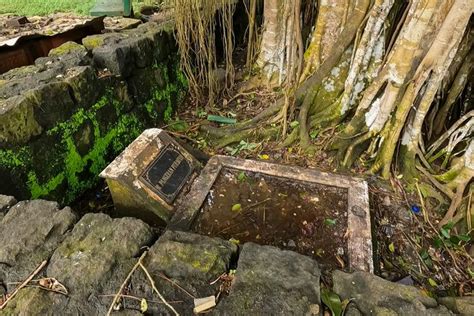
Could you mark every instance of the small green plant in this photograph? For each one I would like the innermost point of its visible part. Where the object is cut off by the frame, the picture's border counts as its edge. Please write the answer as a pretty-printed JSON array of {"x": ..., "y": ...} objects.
[
  {"x": 445, "y": 237},
  {"x": 294, "y": 124},
  {"x": 201, "y": 113},
  {"x": 242, "y": 146},
  {"x": 330, "y": 222},
  {"x": 314, "y": 133},
  {"x": 242, "y": 177}
]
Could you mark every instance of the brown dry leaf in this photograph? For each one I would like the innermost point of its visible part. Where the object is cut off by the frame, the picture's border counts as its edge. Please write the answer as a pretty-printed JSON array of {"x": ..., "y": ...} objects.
[{"x": 53, "y": 285}]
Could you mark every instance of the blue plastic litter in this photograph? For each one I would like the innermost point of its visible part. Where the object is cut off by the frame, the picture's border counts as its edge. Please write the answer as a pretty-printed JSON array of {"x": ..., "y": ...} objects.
[{"x": 415, "y": 209}]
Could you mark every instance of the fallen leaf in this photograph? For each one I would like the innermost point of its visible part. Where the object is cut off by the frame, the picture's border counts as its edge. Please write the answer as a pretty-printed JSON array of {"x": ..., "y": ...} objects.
[
  {"x": 143, "y": 306},
  {"x": 432, "y": 282},
  {"x": 391, "y": 247},
  {"x": 236, "y": 207},
  {"x": 332, "y": 301}
]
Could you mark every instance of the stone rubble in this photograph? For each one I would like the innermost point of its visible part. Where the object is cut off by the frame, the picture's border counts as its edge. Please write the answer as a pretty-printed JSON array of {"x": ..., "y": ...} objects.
[{"x": 92, "y": 256}]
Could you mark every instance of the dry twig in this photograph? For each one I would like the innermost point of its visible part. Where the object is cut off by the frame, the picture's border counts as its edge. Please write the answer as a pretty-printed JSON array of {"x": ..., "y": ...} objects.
[
  {"x": 119, "y": 293},
  {"x": 22, "y": 285},
  {"x": 156, "y": 290}
]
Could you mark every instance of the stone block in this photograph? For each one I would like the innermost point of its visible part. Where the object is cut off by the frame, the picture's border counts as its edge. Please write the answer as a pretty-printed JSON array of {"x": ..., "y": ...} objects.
[
  {"x": 269, "y": 280},
  {"x": 188, "y": 260},
  {"x": 6, "y": 202},
  {"x": 30, "y": 232},
  {"x": 117, "y": 58},
  {"x": 98, "y": 254},
  {"x": 376, "y": 296},
  {"x": 149, "y": 176},
  {"x": 17, "y": 121},
  {"x": 186, "y": 256},
  {"x": 142, "y": 50},
  {"x": 81, "y": 79},
  {"x": 459, "y": 305}
]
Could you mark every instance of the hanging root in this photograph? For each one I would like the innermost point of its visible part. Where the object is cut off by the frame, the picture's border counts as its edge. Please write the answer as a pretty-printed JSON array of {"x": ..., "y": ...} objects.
[{"x": 195, "y": 35}]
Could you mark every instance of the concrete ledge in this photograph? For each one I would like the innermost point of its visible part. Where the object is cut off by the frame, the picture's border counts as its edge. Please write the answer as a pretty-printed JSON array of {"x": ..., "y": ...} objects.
[{"x": 358, "y": 218}]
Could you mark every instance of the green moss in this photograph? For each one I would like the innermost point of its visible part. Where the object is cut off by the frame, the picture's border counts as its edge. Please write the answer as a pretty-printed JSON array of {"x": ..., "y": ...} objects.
[
  {"x": 66, "y": 48},
  {"x": 37, "y": 190},
  {"x": 173, "y": 92},
  {"x": 101, "y": 132},
  {"x": 81, "y": 172},
  {"x": 14, "y": 159},
  {"x": 202, "y": 261},
  {"x": 93, "y": 41}
]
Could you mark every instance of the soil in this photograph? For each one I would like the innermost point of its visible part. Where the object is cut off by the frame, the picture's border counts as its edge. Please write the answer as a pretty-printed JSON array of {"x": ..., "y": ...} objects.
[{"x": 305, "y": 217}]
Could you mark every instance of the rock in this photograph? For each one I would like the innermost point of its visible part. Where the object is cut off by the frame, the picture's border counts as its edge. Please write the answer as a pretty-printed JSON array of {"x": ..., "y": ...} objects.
[
  {"x": 192, "y": 261},
  {"x": 459, "y": 305},
  {"x": 27, "y": 115},
  {"x": 116, "y": 24},
  {"x": 162, "y": 38},
  {"x": 81, "y": 79},
  {"x": 272, "y": 281},
  {"x": 17, "y": 121},
  {"x": 54, "y": 104},
  {"x": 99, "y": 253},
  {"x": 143, "y": 83},
  {"x": 94, "y": 259},
  {"x": 30, "y": 232},
  {"x": 351, "y": 310},
  {"x": 291, "y": 244},
  {"x": 16, "y": 21},
  {"x": 67, "y": 48},
  {"x": 6, "y": 202},
  {"x": 142, "y": 49},
  {"x": 117, "y": 58},
  {"x": 190, "y": 256},
  {"x": 376, "y": 296},
  {"x": 32, "y": 301}
]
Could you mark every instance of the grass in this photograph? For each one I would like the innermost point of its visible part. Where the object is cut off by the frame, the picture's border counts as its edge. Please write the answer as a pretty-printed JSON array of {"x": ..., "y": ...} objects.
[{"x": 45, "y": 7}]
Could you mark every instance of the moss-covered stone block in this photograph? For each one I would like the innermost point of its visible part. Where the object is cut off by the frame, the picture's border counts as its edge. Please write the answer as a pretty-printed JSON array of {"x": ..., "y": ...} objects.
[
  {"x": 67, "y": 48},
  {"x": 17, "y": 121},
  {"x": 190, "y": 256}
]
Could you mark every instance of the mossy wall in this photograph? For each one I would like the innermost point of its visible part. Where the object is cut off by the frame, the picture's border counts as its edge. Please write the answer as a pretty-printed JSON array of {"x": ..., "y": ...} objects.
[{"x": 65, "y": 159}]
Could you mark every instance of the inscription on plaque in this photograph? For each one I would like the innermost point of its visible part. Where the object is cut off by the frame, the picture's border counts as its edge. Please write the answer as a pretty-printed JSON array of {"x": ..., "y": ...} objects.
[{"x": 168, "y": 173}]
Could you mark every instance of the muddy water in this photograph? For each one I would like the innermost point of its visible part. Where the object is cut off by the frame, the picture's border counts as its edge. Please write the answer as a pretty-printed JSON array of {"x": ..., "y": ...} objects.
[{"x": 305, "y": 217}]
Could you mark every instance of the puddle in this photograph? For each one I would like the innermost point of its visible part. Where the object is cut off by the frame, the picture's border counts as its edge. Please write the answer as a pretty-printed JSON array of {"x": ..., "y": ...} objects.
[{"x": 305, "y": 217}]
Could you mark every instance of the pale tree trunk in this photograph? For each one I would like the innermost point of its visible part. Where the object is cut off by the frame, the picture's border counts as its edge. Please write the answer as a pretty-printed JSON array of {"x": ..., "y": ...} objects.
[
  {"x": 281, "y": 46},
  {"x": 433, "y": 69},
  {"x": 394, "y": 89},
  {"x": 332, "y": 15}
]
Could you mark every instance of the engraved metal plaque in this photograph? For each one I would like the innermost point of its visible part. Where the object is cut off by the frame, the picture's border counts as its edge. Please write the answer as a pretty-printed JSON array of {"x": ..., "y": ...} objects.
[{"x": 167, "y": 174}]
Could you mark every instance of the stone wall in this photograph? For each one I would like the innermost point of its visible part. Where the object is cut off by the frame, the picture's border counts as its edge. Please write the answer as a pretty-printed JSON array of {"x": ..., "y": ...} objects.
[{"x": 65, "y": 117}]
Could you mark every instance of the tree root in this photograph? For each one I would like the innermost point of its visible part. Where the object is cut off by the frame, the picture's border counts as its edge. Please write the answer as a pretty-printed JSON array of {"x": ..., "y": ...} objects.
[
  {"x": 246, "y": 134},
  {"x": 343, "y": 42},
  {"x": 462, "y": 180}
]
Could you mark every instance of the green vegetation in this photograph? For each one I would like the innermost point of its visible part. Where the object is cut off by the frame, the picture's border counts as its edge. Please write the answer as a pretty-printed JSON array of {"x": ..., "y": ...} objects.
[
  {"x": 45, "y": 7},
  {"x": 82, "y": 146}
]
